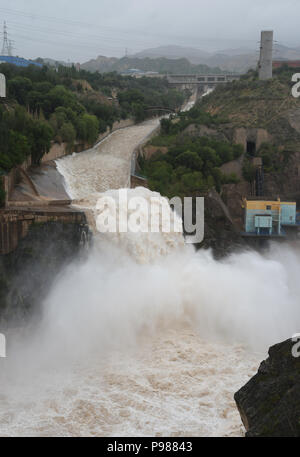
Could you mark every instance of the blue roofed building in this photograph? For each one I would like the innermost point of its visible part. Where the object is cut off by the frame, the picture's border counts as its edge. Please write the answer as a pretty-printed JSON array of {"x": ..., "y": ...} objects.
[{"x": 19, "y": 61}]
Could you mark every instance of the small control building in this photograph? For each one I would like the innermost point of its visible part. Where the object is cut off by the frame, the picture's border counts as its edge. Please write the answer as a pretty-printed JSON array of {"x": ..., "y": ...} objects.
[{"x": 263, "y": 217}]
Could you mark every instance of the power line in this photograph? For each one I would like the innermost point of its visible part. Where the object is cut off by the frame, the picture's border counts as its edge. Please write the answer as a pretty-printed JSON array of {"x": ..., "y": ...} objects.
[
  {"x": 110, "y": 39},
  {"x": 120, "y": 31}
]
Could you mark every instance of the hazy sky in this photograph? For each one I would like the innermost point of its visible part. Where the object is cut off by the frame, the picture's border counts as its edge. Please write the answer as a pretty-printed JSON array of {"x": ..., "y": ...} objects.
[{"x": 80, "y": 30}]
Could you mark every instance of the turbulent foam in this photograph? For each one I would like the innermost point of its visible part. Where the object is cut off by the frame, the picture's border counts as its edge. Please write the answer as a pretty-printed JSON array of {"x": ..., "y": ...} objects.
[
  {"x": 144, "y": 245},
  {"x": 159, "y": 348}
]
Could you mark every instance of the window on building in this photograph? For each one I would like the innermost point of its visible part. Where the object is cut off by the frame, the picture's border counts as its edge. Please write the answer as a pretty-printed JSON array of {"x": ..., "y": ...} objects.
[{"x": 269, "y": 207}]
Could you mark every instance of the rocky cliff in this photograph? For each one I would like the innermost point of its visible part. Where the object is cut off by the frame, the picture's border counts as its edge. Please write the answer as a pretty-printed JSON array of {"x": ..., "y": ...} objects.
[{"x": 269, "y": 404}]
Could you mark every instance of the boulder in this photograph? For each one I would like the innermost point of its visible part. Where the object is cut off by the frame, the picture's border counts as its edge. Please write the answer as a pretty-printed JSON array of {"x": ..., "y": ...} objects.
[{"x": 269, "y": 404}]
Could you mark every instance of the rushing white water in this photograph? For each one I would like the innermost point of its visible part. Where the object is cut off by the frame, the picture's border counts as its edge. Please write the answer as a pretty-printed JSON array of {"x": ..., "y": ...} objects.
[
  {"x": 107, "y": 166},
  {"x": 143, "y": 245},
  {"x": 157, "y": 348}
]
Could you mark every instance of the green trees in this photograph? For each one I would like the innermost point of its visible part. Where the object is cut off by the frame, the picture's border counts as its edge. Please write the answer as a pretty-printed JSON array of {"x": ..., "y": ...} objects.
[
  {"x": 88, "y": 128},
  {"x": 59, "y": 96},
  {"x": 193, "y": 182},
  {"x": 20, "y": 136},
  {"x": 194, "y": 159},
  {"x": 5, "y": 162},
  {"x": 20, "y": 145},
  {"x": 270, "y": 157},
  {"x": 131, "y": 96},
  {"x": 249, "y": 171},
  {"x": 67, "y": 133},
  {"x": 45, "y": 105},
  {"x": 189, "y": 159},
  {"x": 192, "y": 164},
  {"x": 165, "y": 125},
  {"x": 18, "y": 88},
  {"x": 160, "y": 174},
  {"x": 136, "y": 102},
  {"x": 138, "y": 111},
  {"x": 15, "y": 146},
  {"x": 40, "y": 136}
]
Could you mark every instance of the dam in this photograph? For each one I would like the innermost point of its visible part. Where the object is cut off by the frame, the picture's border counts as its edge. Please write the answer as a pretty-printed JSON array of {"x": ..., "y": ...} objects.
[{"x": 125, "y": 348}]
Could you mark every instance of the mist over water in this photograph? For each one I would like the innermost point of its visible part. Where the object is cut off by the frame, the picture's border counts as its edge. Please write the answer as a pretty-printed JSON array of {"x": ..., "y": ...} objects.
[{"x": 156, "y": 347}]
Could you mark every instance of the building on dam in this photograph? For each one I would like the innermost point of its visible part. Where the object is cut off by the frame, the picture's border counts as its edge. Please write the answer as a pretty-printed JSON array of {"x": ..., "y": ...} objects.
[{"x": 269, "y": 218}]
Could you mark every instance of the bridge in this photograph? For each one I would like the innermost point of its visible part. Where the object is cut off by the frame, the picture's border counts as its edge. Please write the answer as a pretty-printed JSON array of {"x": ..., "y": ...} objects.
[
  {"x": 201, "y": 82},
  {"x": 161, "y": 108}
]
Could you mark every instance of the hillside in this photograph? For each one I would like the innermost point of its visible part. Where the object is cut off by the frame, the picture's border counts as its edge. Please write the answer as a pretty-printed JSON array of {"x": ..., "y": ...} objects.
[
  {"x": 251, "y": 103},
  {"x": 215, "y": 148},
  {"x": 264, "y": 117},
  {"x": 195, "y": 56},
  {"x": 160, "y": 65},
  {"x": 101, "y": 63},
  {"x": 44, "y": 105}
]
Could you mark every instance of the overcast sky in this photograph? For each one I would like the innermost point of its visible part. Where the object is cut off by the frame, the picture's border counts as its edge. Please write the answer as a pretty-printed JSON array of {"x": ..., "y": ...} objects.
[{"x": 80, "y": 30}]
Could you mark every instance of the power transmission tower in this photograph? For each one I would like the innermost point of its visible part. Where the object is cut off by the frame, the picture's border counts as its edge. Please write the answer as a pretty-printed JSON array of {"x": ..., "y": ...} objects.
[{"x": 6, "y": 47}]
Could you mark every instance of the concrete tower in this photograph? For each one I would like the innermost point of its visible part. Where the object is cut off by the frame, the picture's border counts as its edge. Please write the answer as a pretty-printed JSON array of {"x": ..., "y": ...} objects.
[
  {"x": 266, "y": 51},
  {"x": 2, "y": 85}
]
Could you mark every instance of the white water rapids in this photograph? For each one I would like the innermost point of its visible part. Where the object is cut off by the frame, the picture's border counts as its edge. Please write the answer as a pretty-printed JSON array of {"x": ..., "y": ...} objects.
[{"x": 157, "y": 348}]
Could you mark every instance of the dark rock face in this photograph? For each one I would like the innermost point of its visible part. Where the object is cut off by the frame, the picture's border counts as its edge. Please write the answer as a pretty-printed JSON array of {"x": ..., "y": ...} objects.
[
  {"x": 220, "y": 233},
  {"x": 269, "y": 404},
  {"x": 27, "y": 273}
]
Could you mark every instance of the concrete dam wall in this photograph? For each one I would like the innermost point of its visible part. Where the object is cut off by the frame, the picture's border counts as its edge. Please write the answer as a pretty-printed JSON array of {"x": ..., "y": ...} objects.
[{"x": 15, "y": 223}]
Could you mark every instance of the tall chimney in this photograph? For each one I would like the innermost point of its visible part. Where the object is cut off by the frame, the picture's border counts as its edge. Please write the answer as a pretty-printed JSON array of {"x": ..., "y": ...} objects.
[{"x": 266, "y": 51}]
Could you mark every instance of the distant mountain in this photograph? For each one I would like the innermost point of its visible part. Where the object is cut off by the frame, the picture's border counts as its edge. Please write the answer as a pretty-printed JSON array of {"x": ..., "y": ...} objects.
[
  {"x": 101, "y": 63},
  {"x": 160, "y": 65},
  {"x": 179, "y": 59},
  {"x": 286, "y": 53},
  {"x": 239, "y": 63},
  {"x": 236, "y": 60},
  {"x": 195, "y": 56},
  {"x": 235, "y": 51}
]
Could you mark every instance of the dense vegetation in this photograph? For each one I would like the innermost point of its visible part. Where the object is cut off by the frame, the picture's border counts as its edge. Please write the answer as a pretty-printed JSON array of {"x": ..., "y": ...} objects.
[
  {"x": 175, "y": 125},
  {"x": 64, "y": 105},
  {"x": 191, "y": 164}
]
